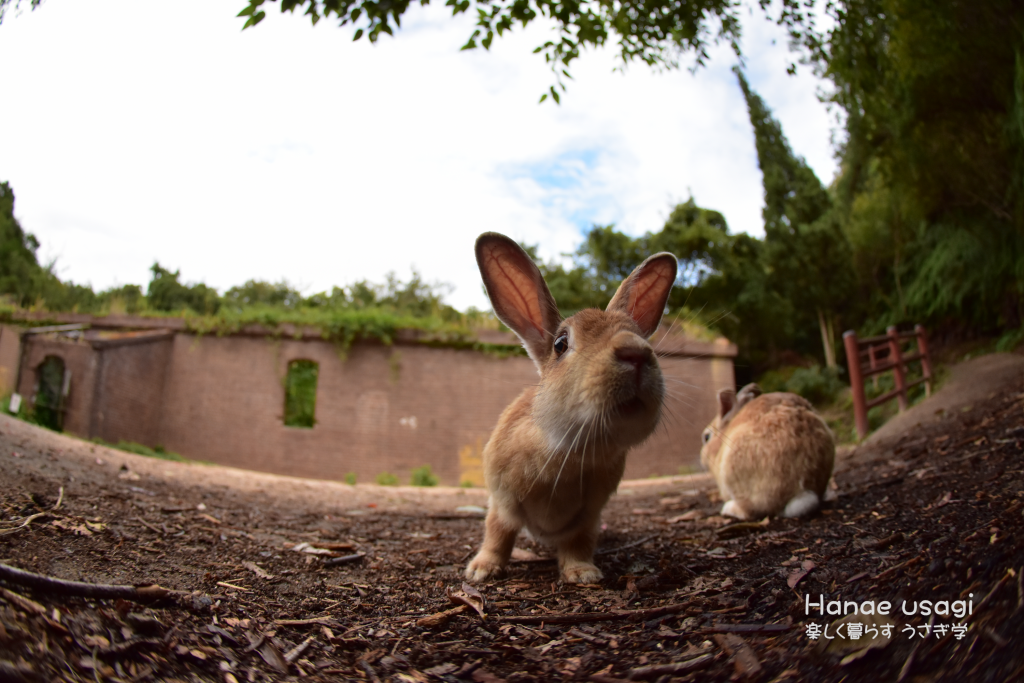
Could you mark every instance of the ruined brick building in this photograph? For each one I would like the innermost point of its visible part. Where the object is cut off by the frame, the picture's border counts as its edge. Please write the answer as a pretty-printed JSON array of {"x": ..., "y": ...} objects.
[{"x": 377, "y": 408}]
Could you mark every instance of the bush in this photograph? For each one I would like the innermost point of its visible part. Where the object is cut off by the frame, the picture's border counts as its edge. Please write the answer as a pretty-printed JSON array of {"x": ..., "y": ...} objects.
[
  {"x": 424, "y": 476},
  {"x": 387, "y": 479},
  {"x": 818, "y": 385},
  {"x": 350, "y": 478},
  {"x": 1010, "y": 340}
]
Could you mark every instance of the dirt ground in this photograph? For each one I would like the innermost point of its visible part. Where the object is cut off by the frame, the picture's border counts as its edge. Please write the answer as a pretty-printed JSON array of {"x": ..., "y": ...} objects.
[{"x": 282, "y": 579}]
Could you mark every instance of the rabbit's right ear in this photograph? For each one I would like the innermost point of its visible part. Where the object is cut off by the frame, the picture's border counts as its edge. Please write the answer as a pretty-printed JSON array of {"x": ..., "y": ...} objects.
[
  {"x": 747, "y": 394},
  {"x": 518, "y": 293}
]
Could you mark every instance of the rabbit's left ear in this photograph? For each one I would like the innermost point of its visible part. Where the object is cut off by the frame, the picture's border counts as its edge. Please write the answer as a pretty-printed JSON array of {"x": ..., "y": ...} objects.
[
  {"x": 642, "y": 295},
  {"x": 726, "y": 401}
]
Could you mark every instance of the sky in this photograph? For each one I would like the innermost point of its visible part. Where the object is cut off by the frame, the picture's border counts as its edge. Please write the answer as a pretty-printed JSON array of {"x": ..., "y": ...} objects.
[{"x": 136, "y": 132}]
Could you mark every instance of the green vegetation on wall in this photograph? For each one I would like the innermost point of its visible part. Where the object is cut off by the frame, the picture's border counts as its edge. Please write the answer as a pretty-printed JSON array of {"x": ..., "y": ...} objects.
[{"x": 300, "y": 394}]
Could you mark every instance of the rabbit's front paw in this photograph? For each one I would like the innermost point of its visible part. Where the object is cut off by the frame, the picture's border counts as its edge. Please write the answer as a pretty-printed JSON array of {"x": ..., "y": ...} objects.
[
  {"x": 581, "y": 572},
  {"x": 484, "y": 566}
]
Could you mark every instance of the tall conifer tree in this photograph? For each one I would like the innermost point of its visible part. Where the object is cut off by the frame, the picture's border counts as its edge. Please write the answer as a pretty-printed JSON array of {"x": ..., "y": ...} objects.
[{"x": 806, "y": 252}]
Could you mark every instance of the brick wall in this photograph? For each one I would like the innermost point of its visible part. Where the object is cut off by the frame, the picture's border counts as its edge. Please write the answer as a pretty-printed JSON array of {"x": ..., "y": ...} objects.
[
  {"x": 385, "y": 409},
  {"x": 10, "y": 352},
  {"x": 380, "y": 409},
  {"x": 79, "y": 357},
  {"x": 129, "y": 388}
]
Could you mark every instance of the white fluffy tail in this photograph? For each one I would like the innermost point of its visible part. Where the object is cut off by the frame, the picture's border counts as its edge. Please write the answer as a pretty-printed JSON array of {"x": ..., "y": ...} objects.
[{"x": 801, "y": 504}]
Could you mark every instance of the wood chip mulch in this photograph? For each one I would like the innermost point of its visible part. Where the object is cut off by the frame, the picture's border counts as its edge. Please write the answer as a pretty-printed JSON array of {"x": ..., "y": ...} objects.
[{"x": 221, "y": 586}]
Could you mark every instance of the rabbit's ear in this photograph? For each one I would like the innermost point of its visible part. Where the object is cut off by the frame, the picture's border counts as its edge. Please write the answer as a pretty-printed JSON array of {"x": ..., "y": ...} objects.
[
  {"x": 518, "y": 293},
  {"x": 726, "y": 400},
  {"x": 747, "y": 394},
  {"x": 642, "y": 295}
]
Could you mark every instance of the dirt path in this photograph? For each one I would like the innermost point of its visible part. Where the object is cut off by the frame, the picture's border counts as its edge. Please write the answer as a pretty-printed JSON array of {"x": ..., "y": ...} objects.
[{"x": 933, "y": 513}]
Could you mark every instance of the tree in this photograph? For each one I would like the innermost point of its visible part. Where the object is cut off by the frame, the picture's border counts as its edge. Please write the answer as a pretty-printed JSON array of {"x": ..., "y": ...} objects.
[
  {"x": 19, "y": 269},
  {"x": 167, "y": 293},
  {"x": 932, "y": 182},
  {"x": 262, "y": 293},
  {"x": 806, "y": 251}
]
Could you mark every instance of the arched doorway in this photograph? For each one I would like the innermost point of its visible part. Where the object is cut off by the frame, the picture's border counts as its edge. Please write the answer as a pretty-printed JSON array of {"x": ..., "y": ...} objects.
[{"x": 51, "y": 390}]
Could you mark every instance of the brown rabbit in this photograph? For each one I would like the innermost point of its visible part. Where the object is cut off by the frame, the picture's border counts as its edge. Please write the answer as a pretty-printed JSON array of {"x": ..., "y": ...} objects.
[
  {"x": 559, "y": 450},
  {"x": 771, "y": 454}
]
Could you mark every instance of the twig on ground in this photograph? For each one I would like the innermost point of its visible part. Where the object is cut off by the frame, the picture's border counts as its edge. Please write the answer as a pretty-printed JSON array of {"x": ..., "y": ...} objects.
[
  {"x": 79, "y": 589},
  {"x": 28, "y": 520},
  {"x": 22, "y": 602},
  {"x": 896, "y": 567},
  {"x": 297, "y": 651},
  {"x": 605, "y": 551},
  {"x": 344, "y": 559},
  {"x": 675, "y": 669},
  {"x": 634, "y": 615},
  {"x": 320, "y": 621},
  {"x": 365, "y": 666}
]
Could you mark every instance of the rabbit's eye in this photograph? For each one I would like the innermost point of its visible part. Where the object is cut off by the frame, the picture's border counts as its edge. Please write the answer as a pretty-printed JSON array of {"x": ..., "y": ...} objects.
[
  {"x": 707, "y": 437},
  {"x": 562, "y": 343}
]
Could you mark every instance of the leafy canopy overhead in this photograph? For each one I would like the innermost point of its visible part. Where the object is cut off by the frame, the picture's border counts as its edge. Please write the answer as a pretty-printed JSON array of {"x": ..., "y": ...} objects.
[{"x": 655, "y": 32}]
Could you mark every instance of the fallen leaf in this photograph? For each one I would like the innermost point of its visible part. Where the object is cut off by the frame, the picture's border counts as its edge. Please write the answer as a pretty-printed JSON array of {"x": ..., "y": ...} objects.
[
  {"x": 852, "y": 649},
  {"x": 311, "y": 549},
  {"x": 468, "y": 596},
  {"x": 743, "y": 657},
  {"x": 412, "y": 677},
  {"x": 691, "y": 516},
  {"x": 740, "y": 528},
  {"x": 798, "y": 574},
  {"x": 257, "y": 570},
  {"x": 440, "y": 618},
  {"x": 441, "y": 669},
  {"x": 550, "y": 644},
  {"x": 96, "y": 641},
  {"x": 272, "y": 656}
]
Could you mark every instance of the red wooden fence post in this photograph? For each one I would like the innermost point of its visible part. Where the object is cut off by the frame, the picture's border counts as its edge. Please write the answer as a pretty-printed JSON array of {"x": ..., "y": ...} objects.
[
  {"x": 860, "y": 409},
  {"x": 926, "y": 361},
  {"x": 897, "y": 369}
]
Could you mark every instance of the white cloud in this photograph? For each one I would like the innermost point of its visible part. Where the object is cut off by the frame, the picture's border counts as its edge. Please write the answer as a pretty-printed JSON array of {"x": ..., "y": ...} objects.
[{"x": 132, "y": 134}]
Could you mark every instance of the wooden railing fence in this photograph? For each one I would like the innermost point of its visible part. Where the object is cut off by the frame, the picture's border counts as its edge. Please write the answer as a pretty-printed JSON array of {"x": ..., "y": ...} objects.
[{"x": 871, "y": 356}]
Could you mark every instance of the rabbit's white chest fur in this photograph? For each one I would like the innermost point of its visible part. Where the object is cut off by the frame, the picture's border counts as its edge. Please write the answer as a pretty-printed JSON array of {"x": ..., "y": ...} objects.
[{"x": 566, "y": 494}]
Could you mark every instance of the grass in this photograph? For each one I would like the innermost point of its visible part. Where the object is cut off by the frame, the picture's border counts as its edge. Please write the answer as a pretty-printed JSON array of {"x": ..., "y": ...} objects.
[
  {"x": 157, "y": 451},
  {"x": 343, "y": 326}
]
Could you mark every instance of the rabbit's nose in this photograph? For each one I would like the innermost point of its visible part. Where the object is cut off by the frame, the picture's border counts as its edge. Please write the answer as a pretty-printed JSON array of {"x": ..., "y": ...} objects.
[{"x": 638, "y": 357}]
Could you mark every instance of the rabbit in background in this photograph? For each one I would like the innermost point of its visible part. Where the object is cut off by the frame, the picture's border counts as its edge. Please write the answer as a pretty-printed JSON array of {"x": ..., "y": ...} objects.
[
  {"x": 559, "y": 450},
  {"x": 771, "y": 454}
]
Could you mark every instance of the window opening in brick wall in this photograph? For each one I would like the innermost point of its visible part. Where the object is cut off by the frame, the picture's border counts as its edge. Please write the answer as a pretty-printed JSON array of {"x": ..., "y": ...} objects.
[
  {"x": 54, "y": 382},
  {"x": 300, "y": 393}
]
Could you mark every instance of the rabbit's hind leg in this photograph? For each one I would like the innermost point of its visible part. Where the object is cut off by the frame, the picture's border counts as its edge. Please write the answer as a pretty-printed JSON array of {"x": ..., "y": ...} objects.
[{"x": 734, "y": 509}]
